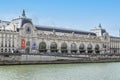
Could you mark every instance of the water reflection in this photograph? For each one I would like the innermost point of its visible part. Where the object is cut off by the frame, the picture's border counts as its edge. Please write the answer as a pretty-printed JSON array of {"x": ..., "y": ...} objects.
[{"x": 91, "y": 71}]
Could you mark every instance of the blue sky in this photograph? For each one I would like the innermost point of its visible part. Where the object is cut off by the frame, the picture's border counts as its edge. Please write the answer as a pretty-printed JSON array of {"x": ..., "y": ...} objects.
[{"x": 73, "y": 14}]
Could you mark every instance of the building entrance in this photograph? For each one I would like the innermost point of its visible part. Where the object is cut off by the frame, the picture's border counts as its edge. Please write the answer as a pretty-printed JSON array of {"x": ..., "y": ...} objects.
[{"x": 27, "y": 51}]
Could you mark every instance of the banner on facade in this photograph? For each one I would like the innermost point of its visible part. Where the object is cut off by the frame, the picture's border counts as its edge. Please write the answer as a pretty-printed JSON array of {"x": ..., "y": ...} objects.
[
  {"x": 22, "y": 43},
  {"x": 33, "y": 44}
]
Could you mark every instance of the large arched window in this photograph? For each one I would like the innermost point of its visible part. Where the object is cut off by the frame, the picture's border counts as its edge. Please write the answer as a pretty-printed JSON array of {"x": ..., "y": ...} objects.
[
  {"x": 89, "y": 48},
  {"x": 82, "y": 48},
  {"x": 73, "y": 47},
  {"x": 63, "y": 47},
  {"x": 97, "y": 48},
  {"x": 53, "y": 47},
  {"x": 42, "y": 47}
]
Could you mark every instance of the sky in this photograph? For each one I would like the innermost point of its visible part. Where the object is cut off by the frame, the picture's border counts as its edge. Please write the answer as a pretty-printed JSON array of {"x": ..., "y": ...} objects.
[{"x": 72, "y": 14}]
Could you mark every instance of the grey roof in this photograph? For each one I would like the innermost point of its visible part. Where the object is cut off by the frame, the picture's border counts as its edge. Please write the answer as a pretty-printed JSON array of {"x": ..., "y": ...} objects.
[
  {"x": 5, "y": 21},
  {"x": 46, "y": 28},
  {"x": 103, "y": 31},
  {"x": 114, "y": 37},
  {"x": 25, "y": 20}
]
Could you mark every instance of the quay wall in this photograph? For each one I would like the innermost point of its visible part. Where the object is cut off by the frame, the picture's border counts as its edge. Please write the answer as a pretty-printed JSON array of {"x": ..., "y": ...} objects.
[{"x": 40, "y": 59}]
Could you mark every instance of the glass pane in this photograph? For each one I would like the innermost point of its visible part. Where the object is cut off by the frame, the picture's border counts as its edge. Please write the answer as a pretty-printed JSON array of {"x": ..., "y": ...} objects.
[
  {"x": 64, "y": 46},
  {"x": 42, "y": 45},
  {"x": 73, "y": 46},
  {"x": 53, "y": 45}
]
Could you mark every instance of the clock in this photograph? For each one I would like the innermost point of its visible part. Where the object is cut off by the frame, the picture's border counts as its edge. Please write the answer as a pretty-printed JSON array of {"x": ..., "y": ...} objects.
[{"x": 28, "y": 30}]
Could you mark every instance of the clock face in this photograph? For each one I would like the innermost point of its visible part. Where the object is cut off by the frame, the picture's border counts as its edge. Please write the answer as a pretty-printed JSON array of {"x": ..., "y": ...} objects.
[{"x": 28, "y": 30}]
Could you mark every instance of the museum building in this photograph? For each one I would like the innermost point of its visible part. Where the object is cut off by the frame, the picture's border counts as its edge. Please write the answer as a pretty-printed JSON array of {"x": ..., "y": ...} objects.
[{"x": 22, "y": 35}]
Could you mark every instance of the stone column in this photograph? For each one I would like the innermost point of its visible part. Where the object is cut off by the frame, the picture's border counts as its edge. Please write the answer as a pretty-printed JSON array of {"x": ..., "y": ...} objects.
[
  {"x": 78, "y": 51},
  {"x": 48, "y": 50},
  {"x": 59, "y": 50},
  {"x": 69, "y": 51},
  {"x": 86, "y": 51},
  {"x": 94, "y": 52}
]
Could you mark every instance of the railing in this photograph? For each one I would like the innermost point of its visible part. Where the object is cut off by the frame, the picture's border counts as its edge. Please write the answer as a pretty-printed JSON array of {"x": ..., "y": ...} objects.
[{"x": 59, "y": 54}]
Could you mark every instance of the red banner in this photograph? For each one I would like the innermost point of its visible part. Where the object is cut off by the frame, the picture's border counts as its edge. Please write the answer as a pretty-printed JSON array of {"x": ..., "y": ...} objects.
[{"x": 22, "y": 43}]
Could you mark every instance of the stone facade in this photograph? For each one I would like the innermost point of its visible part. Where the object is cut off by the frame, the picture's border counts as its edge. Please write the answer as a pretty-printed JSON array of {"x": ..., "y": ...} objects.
[{"x": 21, "y": 35}]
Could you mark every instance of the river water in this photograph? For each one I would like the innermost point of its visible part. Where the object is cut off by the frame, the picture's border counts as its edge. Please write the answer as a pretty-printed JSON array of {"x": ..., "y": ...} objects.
[{"x": 85, "y": 71}]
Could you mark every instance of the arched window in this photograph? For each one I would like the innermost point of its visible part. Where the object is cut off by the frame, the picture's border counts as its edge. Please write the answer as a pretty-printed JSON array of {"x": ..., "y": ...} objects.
[
  {"x": 89, "y": 48},
  {"x": 1, "y": 50},
  {"x": 53, "y": 47},
  {"x": 73, "y": 47},
  {"x": 82, "y": 48},
  {"x": 97, "y": 48},
  {"x": 63, "y": 47},
  {"x": 9, "y": 50},
  {"x": 42, "y": 47},
  {"x": 5, "y": 50}
]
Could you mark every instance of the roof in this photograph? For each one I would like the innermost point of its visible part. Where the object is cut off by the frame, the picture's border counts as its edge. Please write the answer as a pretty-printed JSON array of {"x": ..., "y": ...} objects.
[
  {"x": 25, "y": 20},
  {"x": 114, "y": 37},
  {"x": 46, "y": 28},
  {"x": 4, "y": 21}
]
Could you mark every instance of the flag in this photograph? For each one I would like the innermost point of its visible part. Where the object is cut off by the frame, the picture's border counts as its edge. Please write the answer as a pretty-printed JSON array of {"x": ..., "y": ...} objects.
[
  {"x": 23, "y": 43},
  {"x": 33, "y": 44}
]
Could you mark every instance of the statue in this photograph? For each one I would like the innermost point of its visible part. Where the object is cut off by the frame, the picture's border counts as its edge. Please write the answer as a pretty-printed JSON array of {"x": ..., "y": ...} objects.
[{"x": 23, "y": 14}]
